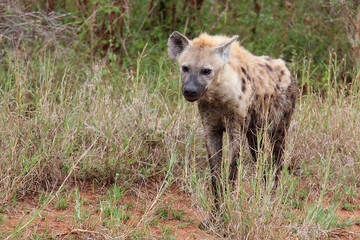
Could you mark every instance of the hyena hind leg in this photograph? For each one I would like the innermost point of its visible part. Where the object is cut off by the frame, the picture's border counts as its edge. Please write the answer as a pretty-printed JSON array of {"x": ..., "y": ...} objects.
[
  {"x": 252, "y": 138},
  {"x": 277, "y": 138},
  {"x": 234, "y": 138}
]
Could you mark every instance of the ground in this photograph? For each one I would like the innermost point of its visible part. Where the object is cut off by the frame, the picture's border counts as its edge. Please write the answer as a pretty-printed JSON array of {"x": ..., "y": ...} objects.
[
  {"x": 61, "y": 223},
  {"x": 56, "y": 223}
]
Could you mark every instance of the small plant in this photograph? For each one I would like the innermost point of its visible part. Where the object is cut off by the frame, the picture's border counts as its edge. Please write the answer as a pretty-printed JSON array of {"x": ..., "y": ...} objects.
[
  {"x": 138, "y": 235},
  {"x": 324, "y": 216},
  {"x": 357, "y": 221},
  {"x": 154, "y": 221},
  {"x": 349, "y": 206},
  {"x": 179, "y": 215},
  {"x": 115, "y": 215},
  {"x": 80, "y": 214},
  {"x": 129, "y": 205},
  {"x": 14, "y": 199},
  {"x": 62, "y": 203},
  {"x": 43, "y": 236},
  {"x": 42, "y": 197},
  {"x": 163, "y": 212},
  {"x": 167, "y": 233},
  {"x": 116, "y": 192},
  {"x": 116, "y": 212},
  {"x": 348, "y": 222}
]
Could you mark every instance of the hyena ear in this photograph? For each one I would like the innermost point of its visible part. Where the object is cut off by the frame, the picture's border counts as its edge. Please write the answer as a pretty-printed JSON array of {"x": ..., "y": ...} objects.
[
  {"x": 223, "y": 51},
  {"x": 177, "y": 43}
]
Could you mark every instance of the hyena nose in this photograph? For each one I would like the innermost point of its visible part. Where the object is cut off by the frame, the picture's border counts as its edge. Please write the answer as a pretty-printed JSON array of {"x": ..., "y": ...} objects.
[{"x": 191, "y": 91}]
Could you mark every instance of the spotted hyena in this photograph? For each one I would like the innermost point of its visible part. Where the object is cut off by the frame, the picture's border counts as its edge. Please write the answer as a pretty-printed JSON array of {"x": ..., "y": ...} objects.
[{"x": 236, "y": 92}]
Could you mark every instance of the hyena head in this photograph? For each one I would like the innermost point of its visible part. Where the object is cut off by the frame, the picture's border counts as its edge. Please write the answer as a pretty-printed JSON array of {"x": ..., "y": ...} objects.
[{"x": 199, "y": 63}]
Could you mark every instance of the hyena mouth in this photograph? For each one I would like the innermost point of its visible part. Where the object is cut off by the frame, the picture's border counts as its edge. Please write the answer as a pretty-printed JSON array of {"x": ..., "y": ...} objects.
[
  {"x": 192, "y": 96},
  {"x": 191, "y": 99}
]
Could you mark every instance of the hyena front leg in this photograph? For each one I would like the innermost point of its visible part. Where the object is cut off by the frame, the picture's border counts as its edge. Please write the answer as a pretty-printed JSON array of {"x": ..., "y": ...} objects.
[
  {"x": 235, "y": 154},
  {"x": 235, "y": 134},
  {"x": 214, "y": 149}
]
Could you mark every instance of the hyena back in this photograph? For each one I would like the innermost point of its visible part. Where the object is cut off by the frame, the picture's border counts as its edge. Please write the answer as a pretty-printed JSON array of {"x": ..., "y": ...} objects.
[{"x": 236, "y": 92}]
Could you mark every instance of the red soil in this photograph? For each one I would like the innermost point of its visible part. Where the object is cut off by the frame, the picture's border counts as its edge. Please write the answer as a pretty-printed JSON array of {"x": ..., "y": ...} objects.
[{"x": 61, "y": 223}]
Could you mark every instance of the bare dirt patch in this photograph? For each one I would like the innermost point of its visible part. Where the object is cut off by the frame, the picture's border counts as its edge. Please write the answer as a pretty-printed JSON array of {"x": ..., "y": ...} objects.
[
  {"x": 62, "y": 224},
  {"x": 162, "y": 222},
  {"x": 353, "y": 231}
]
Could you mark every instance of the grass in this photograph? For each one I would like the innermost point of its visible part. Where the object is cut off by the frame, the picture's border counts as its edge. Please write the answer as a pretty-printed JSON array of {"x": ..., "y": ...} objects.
[
  {"x": 65, "y": 121},
  {"x": 62, "y": 203}
]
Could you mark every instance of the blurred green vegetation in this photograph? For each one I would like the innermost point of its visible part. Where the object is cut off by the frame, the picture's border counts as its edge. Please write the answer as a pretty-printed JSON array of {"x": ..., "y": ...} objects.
[{"x": 118, "y": 31}]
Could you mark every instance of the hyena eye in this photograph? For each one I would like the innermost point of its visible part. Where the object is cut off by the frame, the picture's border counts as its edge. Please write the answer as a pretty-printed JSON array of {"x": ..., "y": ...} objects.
[
  {"x": 206, "y": 71},
  {"x": 185, "y": 69}
]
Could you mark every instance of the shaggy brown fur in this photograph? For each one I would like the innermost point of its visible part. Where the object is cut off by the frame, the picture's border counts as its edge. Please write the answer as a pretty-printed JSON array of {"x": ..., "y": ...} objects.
[{"x": 236, "y": 92}]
